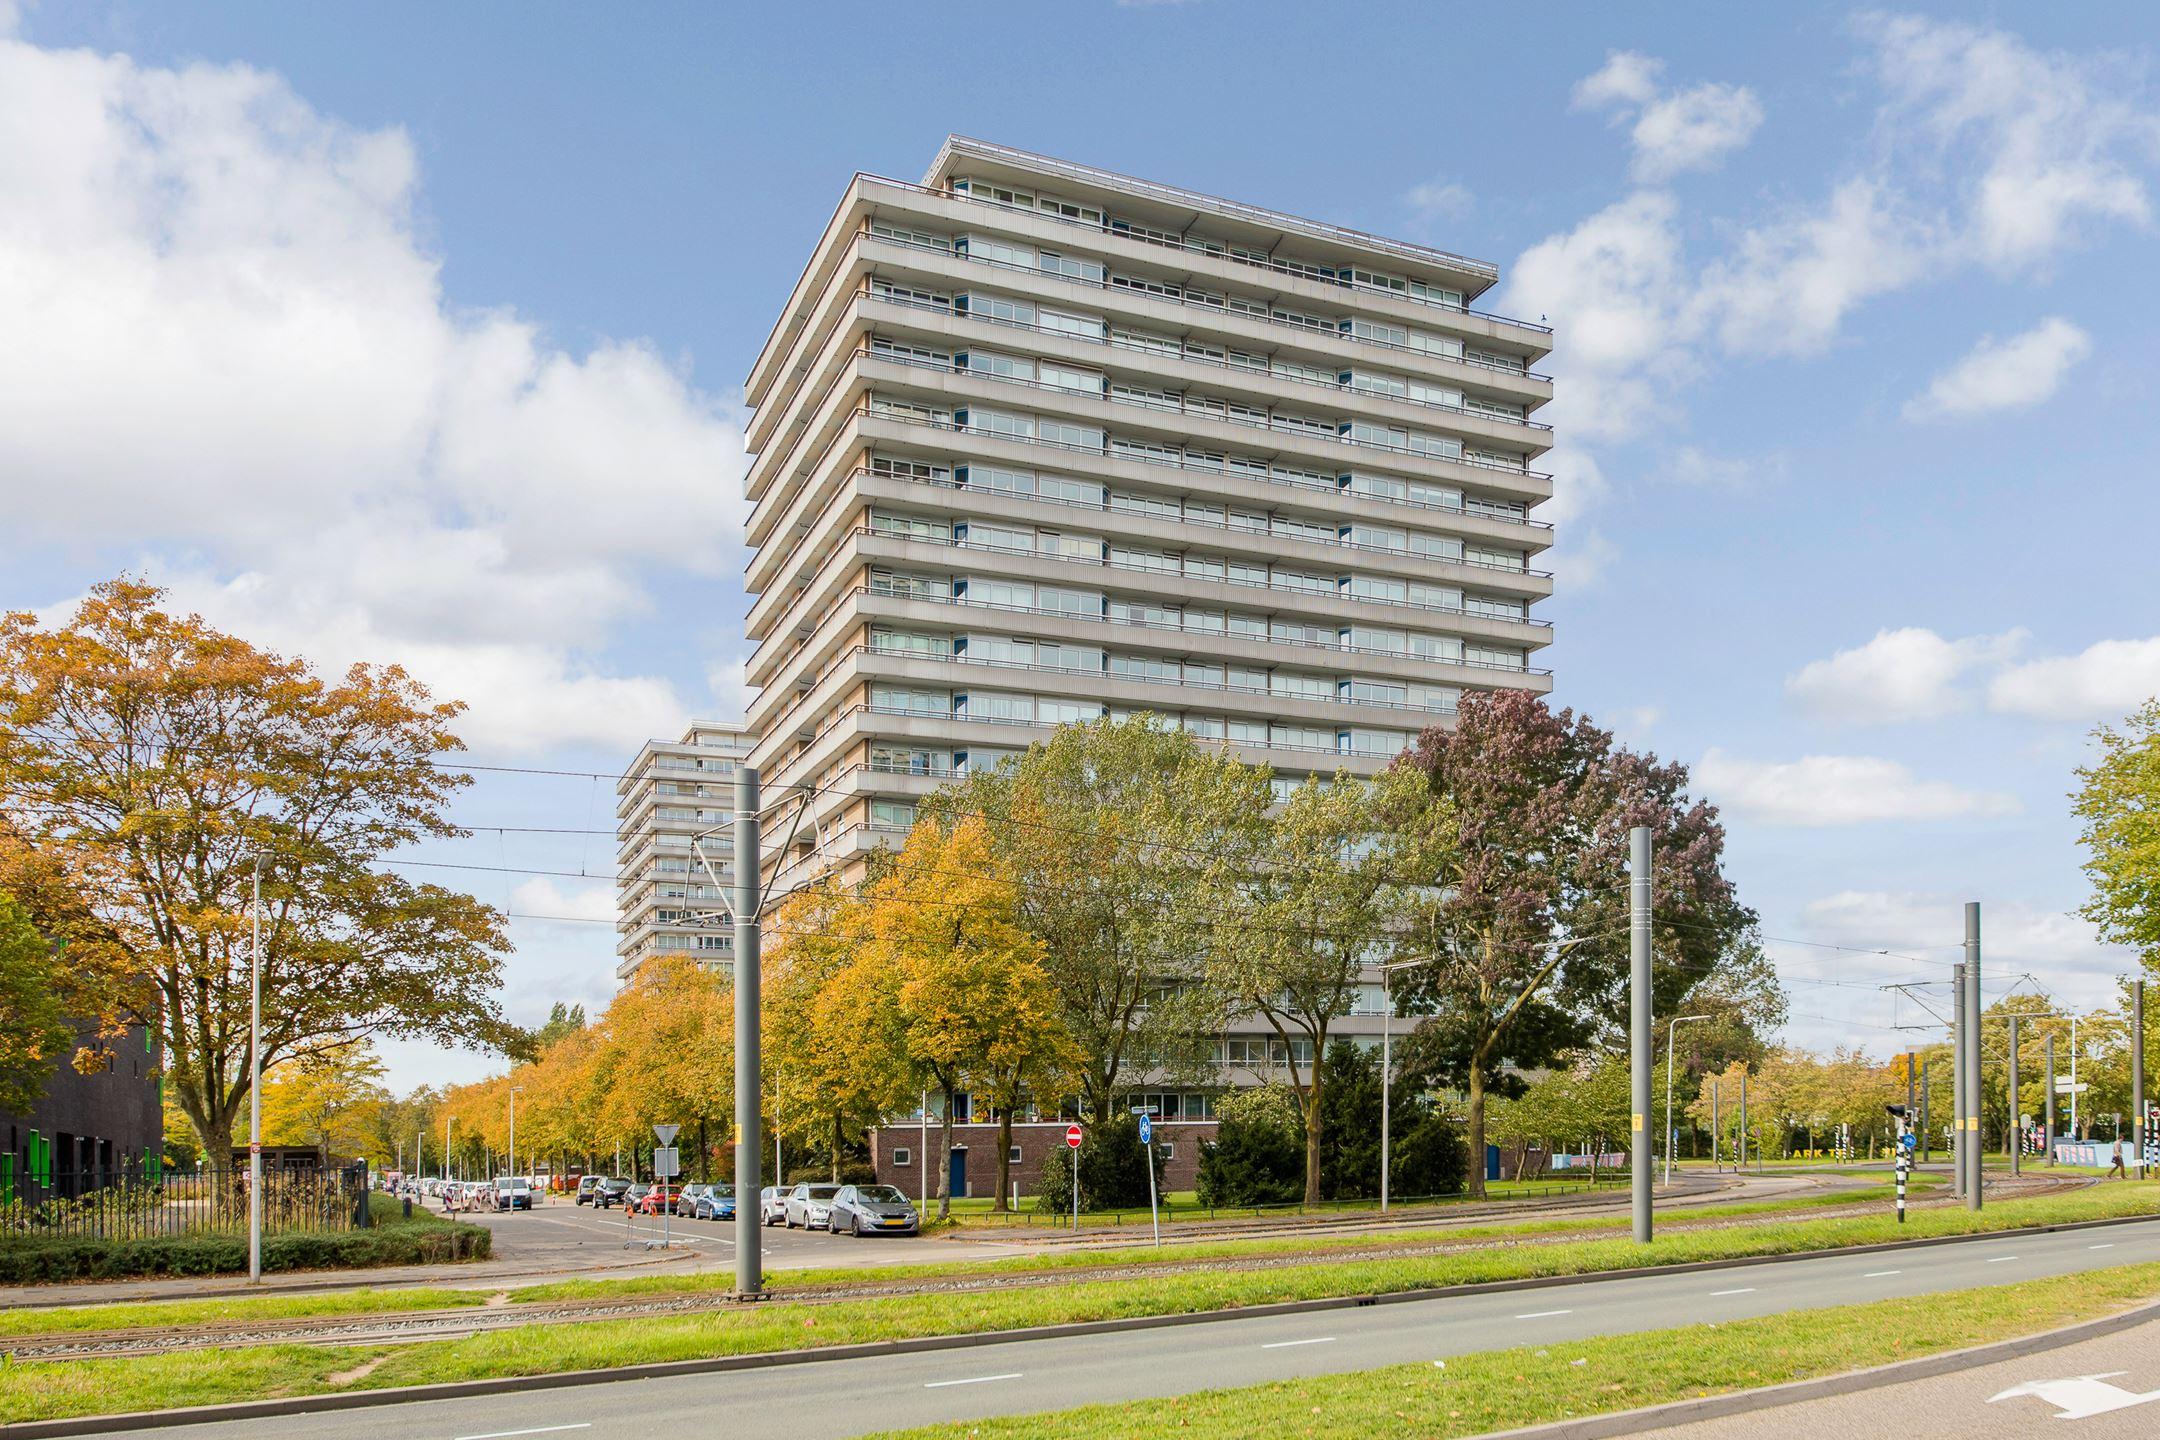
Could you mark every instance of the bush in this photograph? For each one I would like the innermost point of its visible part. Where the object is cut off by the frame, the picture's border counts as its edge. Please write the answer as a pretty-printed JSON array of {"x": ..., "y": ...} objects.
[
  {"x": 1113, "y": 1170},
  {"x": 388, "y": 1241},
  {"x": 1429, "y": 1157},
  {"x": 1258, "y": 1154}
]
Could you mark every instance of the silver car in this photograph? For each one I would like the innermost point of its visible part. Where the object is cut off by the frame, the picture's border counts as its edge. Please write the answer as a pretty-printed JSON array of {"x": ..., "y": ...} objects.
[
  {"x": 772, "y": 1204},
  {"x": 810, "y": 1206}
]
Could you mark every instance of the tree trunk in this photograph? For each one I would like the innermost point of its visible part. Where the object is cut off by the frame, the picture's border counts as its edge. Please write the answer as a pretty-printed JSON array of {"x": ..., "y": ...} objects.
[
  {"x": 944, "y": 1177},
  {"x": 1004, "y": 1180},
  {"x": 1314, "y": 1121},
  {"x": 837, "y": 1133},
  {"x": 1474, "y": 1162}
]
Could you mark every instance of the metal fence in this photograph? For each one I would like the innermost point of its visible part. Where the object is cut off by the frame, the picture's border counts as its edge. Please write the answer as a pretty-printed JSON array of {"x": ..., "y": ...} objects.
[{"x": 137, "y": 1201}]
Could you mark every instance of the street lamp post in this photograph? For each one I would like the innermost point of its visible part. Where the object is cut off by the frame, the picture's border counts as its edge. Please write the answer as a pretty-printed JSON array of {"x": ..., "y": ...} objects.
[
  {"x": 1387, "y": 1069},
  {"x": 1672, "y": 1130},
  {"x": 515, "y": 1090},
  {"x": 255, "y": 1203}
]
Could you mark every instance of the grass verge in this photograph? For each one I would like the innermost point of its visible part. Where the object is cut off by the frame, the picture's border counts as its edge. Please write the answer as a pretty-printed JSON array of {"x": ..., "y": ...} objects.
[
  {"x": 1500, "y": 1389},
  {"x": 105, "y": 1386}
]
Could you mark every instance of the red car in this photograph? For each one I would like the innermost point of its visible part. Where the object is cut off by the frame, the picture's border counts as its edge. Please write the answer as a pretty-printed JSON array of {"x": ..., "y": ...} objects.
[{"x": 658, "y": 1199}]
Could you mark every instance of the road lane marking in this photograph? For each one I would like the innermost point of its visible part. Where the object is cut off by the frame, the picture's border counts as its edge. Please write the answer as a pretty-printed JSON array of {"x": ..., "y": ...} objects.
[
  {"x": 537, "y": 1430},
  {"x": 1543, "y": 1314},
  {"x": 1315, "y": 1340},
  {"x": 971, "y": 1380},
  {"x": 2109, "y": 1246},
  {"x": 1750, "y": 1290},
  {"x": 1997, "y": 1260},
  {"x": 1878, "y": 1274}
]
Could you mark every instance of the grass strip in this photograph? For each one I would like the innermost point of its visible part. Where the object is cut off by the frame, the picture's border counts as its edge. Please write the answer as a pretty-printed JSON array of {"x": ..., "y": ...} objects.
[
  {"x": 38, "y": 1388},
  {"x": 1501, "y": 1389},
  {"x": 176, "y": 1314}
]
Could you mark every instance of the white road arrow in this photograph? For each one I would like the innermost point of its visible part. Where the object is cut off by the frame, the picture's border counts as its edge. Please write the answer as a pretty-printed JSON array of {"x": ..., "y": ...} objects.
[{"x": 2081, "y": 1395}]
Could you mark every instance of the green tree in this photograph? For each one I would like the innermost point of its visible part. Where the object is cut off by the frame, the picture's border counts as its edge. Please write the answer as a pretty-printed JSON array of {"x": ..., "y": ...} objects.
[
  {"x": 38, "y": 1033},
  {"x": 1258, "y": 1154},
  {"x": 1523, "y": 925},
  {"x": 1107, "y": 830},
  {"x": 158, "y": 760},
  {"x": 2118, "y": 799}
]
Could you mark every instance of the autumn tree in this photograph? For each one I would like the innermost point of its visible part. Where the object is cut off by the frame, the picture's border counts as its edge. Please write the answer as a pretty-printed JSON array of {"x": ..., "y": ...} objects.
[
  {"x": 328, "y": 1099},
  {"x": 832, "y": 1063},
  {"x": 159, "y": 761},
  {"x": 37, "y": 1034},
  {"x": 1106, "y": 829},
  {"x": 1523, "y": 924},
  {"x": 963, "y": 980}
]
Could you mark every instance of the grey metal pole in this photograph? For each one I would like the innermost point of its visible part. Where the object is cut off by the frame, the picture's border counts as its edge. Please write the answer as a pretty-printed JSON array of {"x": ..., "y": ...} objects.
[
  {"x": 2047, "y": 1126},
  {"x": 1927, "y": 1141},
  {"x": 1911, "y": 1109},
  {"x": 1973, "y": 1014},
  {"x": 1715, "y": 1133},
  {"x": 1671, "y": 1126},
  {"x": 1740, "y": 1150},
  {"x": 2017, "y": 1128},
  {"x": 2137, "y": 1071},
  {"x": 1387, "y": 1079},
  {"x": 1639, "y": 1032},
  {"x": 255, "y": 1203},
  {"x": 1957, "y": 1080},
  {"x": 749, "y": 1147}
]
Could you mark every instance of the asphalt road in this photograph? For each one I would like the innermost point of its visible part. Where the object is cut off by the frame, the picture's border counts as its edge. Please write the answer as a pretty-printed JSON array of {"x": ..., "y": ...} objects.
[{"x": 838, "y": 1398}]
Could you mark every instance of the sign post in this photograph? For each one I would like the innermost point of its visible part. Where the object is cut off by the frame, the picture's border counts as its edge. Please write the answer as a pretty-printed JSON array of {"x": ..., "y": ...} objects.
[
  {"x": 666, "y": 1164},
  {"x": 1147, "y": 1146},
  {"x": 1905, "y": 1142},
  {"x": 1072, "y": 1143}
]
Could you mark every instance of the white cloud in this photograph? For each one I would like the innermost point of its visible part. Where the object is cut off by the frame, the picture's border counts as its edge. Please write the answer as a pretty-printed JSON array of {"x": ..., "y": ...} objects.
[
  {"x": 1904, "y": 674},
  {"x": 228, "y": 357},
  {"x": 2014, "y": 934},
  {"x": 2101, "y": 682},
  {"x": 2037, "y": 146},
  {"x": 1824, "y": 790},
  {"x": 541, "y": 898},
  {"x": 1683, "y": 130},
  {"x": 1433, "y": 201},
  {"x": 1698, "y": 469},
  {"x": 2010, "y": 374}
]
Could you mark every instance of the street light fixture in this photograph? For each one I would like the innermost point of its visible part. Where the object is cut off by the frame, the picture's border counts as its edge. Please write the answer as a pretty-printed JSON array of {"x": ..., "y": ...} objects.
[{"x": 1671, "y": 1130}]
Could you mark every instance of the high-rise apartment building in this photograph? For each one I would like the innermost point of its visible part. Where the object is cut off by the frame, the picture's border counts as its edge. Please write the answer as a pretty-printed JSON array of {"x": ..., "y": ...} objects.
[
  {"x": 1037, "y": 442},
  {"x": 674, "y": 793}
]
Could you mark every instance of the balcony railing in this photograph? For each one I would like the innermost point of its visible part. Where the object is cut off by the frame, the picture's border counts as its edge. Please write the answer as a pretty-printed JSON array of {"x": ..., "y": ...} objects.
[{"x": 1107, "y": 230}]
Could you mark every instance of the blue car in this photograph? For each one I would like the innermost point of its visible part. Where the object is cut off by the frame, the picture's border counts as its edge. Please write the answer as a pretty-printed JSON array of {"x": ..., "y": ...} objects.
[{"x": 715, "y": 1202}]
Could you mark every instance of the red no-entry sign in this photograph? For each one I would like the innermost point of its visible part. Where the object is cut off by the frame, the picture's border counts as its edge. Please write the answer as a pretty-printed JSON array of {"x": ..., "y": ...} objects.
[{"x": 1072, "y": 1137}]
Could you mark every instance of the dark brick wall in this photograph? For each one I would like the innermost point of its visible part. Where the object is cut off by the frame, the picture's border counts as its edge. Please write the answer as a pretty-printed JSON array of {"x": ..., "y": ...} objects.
[
  {"x": 95, "y": 1122},
  {"x": 1032, "y": 1140}
]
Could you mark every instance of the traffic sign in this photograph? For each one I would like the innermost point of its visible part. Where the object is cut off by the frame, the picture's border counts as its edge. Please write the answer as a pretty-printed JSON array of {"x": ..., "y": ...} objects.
[
  {"x": 666, "y": 1162},
  {"x": 1147, "y": 1130},
  {"x": 1072, "y": 1137},
  {"x": 666, "y": 1133}
]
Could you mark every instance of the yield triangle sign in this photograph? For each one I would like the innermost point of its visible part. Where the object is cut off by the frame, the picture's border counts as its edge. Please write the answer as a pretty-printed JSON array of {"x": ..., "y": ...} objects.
[{"x": 666, "y": 1133}]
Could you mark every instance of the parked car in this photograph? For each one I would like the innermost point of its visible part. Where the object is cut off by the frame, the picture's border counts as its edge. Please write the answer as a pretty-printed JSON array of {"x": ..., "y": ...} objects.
[
  {"x": 688, "y": 1198},
  {"x": 872, "y": 1210},
  {"x": 810, "y": 1206},
  {"x": 658, "y": 1198},
  {"x": 587, "y": 1185},
  {"x": 513, "y": 1192},
  {"x": 717, "y": 1203},
  {"x": 772, "y": 1204},
  {"x": 611, "y": 1191}
]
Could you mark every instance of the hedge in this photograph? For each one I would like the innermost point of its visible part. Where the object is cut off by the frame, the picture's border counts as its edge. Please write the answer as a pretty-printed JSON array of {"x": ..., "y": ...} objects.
[{"x": 26, "y": 1261}]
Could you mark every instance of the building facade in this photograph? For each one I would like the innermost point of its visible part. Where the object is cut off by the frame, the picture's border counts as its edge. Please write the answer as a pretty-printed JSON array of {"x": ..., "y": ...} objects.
[
  {"x": 675, "y": 792},
  {"x": 88, "y": 1131},
  {"x": 1037, "y": 443}
]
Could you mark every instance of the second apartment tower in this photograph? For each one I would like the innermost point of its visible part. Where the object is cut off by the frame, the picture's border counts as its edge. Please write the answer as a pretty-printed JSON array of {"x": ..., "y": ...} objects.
[{"x": 1037, "y": 442}]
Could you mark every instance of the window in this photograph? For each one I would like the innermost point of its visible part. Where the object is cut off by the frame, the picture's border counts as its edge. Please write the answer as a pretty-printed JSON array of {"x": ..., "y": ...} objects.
[
  {"x": 892, "y": 815},
  {"x": 901, "y": 1155},
  {"x": 998, "y": 422},
  {"x": 909, "y": 701},
  {"x": 995, "y": 477},
  {"x": 1090, "y": 271},
  {"x": 1012, "y": 1155},
  {"x": 1079, "y": 492},
  {"x": 996, "y": 537},
  {"x": 1088, "y": 603},
  {"x": 998, "y": 592},
  {"x": 1004, "y": 252},
  {"x": 1072, "y": 547},
  {"x": 1087, "y": 326},
  {"x": 1498, "y": 559},
  {"x": 1067, "y": 712},
  {"x": 990, "y": 362},
  {"x": 1070, "y": 377},
  {"x": 884, "y": 349},
  {"x": 1064, "y": 432},
  {"x": 902, "y": 642},
  {"x": 886, "y": 230},
  {"x": 997, "y": 307},
  {"x": 909, "y": 527},
  {"x": 981, "y": 705}
]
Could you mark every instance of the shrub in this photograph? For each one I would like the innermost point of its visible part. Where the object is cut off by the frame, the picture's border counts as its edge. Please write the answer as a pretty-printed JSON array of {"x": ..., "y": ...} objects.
[
  {"x": 1113, "y": 1170},
  {"x": 1429, "y": 1157},
  {"x": 1258, "y": 1154},
  {"x": 25, "y": 1261}
]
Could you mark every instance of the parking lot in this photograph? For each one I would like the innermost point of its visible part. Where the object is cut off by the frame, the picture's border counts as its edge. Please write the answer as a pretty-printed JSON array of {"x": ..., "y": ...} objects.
[{"x": 559, "y": 1235}]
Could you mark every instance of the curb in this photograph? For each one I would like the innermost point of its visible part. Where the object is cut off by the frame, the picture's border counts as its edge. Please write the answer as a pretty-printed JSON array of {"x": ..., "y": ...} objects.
[
  {"x": 507, "y": 1384},
  {"x": 1741, "y": 1402}
]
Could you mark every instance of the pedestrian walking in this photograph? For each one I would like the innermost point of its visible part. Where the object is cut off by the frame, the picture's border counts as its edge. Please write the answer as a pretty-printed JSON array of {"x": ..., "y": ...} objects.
[{"x": 2117, "y": 1168}]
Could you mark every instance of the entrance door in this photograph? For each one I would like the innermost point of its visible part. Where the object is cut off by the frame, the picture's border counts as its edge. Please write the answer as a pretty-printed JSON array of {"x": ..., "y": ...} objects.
[{"x": 956, "y": 1172}]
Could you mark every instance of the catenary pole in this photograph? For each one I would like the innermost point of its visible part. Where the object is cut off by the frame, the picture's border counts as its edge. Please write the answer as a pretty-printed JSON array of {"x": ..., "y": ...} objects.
[
  {"x": 2047, "y": 1125},
  {"x": 1926, "y": 1142},
  {"x": 1974, "y": 1011},
  {"x": 1387, "y": 1082},
  {"x": 1639, "y": 1031},
  {"x": 2137, "y": 1071},
  {"x": 1740, "y": 1150},
  {"x": 749, "y": 1085},
  {"x": 255, "y": 1069},
  {"x": 1957, "y": 1080},
  {"x": 1715, "y": 1167}
]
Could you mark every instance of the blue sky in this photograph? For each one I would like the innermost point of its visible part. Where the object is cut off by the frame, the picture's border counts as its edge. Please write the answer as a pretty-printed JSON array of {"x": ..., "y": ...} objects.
[{"x": 417, "y": 333}]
